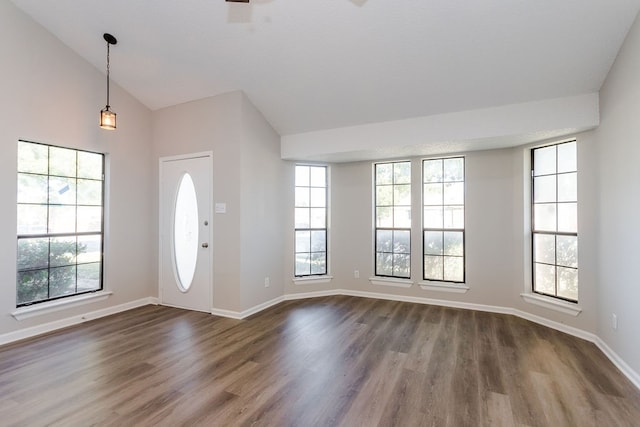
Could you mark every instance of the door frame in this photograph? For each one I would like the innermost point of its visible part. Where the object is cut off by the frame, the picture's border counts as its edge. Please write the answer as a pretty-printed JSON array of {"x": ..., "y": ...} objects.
[{"x": 161, "y": 216}]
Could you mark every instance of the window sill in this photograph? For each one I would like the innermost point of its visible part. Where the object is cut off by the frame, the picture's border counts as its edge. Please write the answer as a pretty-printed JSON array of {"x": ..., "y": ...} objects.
[
  {"x": 459, "y": 288},
  {"x": 552, "y": 304},
  {"x": 390, "y": 281},
  {"x": 312, "y": 280},
  {"x": 57, "y": 305}
]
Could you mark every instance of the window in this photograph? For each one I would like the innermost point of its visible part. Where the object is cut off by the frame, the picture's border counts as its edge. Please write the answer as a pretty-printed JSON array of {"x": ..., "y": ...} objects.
[
  {"x": 60, "y": 225},
  {"x": 310, "y": 220},
  {"x": 393, "y": 219},
  {"x": 443, "y": 219},
  {"x": 555, "y": 220}
]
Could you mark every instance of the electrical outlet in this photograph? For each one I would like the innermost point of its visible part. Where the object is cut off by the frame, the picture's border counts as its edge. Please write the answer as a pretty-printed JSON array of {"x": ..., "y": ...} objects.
[
  {"x": 356, "y": 274},
  {"x": 267, "y": 282},
  {"x": 614, "y": 322}
]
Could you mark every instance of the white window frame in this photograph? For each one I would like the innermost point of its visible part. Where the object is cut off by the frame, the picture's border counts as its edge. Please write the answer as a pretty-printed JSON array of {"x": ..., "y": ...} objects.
[
  {"x": 391, "y": 279},
  {"x": 530, "y": 297},
  {"x": 443, "y": 284},
  {"x": 53, "y": 303},
  {"x": 312, "y": 278}
]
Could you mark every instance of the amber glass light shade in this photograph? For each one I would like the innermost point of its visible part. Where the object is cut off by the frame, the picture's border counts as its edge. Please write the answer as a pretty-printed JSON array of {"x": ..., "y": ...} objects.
[{"x": 107, "y": 119}]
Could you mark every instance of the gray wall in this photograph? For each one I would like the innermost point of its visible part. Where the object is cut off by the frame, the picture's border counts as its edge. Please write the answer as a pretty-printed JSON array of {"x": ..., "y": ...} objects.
[
  {"x": 262, "y": 196},
  {"x": 619, "y": 231},
  {"x": 247, "y": 176},
  {"x": 211, "y": 124},
  {"x": 51, "y": 95},
  {"x": 496, "y": 233}
]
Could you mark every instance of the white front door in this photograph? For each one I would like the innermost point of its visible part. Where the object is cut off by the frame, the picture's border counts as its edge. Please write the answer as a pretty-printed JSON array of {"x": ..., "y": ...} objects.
[{"x": 185, "y": 232}]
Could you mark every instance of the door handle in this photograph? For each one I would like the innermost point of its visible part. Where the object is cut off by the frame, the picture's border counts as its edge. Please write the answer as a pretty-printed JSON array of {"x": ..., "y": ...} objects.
[{"x": 205, "y": 245}]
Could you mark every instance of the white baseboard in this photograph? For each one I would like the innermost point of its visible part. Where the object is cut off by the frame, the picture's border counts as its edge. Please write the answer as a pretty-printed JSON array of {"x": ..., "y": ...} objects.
[
  {"x": 588, "y": 336},
  {"x": 315, "y": 294},
  {"x": 258, "y": 308},
  {"x": 430, "y": 301},
  {"x": 73, "y": 320},
  {"x": 480, "y": 307},
  {"x": 632, "y": 375},
  {"x": 239, "y": 315},
  {"x": 227, "y": 313}
]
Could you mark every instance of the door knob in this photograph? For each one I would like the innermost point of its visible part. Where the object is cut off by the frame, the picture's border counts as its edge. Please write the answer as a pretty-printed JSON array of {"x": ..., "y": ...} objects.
[{"x": 205, "y": 245}]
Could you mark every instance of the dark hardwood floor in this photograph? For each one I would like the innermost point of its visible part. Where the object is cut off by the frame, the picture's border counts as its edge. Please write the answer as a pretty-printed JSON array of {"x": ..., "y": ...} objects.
[{"x": 334, "y": 361}]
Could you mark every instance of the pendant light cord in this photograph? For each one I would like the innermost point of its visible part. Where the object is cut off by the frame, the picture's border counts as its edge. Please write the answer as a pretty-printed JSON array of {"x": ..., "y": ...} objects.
[{"x": 108, "y": 46}]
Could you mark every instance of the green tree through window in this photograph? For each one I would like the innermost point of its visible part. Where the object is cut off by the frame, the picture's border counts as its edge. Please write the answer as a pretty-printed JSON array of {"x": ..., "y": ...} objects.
[
  {"x": 393, "y": 219},
  {"x": 60, "y": 222},
  {"x": 311, "y": 186},
  {"x": 443, "y": 219},
  {"x": 555, "y": 220}
]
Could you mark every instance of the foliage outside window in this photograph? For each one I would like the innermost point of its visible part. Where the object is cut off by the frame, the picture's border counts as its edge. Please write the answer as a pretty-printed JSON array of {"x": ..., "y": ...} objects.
[
  {"x": 555, "y": 220},
  {"x": 60, "y": 222},
  {"x": 310, "y": 220},
  {"x": 393, "y": 219},
  {"x": 443, "y": 219}
]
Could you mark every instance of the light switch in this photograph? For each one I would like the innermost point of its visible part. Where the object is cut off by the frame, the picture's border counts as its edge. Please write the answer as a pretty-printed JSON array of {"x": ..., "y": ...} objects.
[{"x": 221, "y": 208}]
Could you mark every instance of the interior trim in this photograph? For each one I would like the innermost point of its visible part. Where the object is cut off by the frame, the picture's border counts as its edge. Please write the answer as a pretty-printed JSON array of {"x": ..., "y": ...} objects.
[
  {"x": 552, "y": 304},
  {"x": 60, "y": 304},
  {"x": 312, "y": 280},
  {"x": 390, "y": 281},
  {"x": 632, "y": 375},
  {"x": 25, "y": 333},
  {"x": 459, "y": 288}
]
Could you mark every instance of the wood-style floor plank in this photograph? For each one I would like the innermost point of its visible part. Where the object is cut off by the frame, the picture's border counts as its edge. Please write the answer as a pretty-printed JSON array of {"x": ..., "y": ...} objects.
[{"x": 331, "y": 361}]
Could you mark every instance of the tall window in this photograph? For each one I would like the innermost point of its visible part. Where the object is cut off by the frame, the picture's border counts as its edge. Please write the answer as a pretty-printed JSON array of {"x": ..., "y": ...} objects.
[
  {"x": 443, "y": 219},
  {"x": 393, "y": 219},
  {"x": 60, "y": 227},
  {"x": 311, "y": 220},
  {"x": 555, "y": 221}
]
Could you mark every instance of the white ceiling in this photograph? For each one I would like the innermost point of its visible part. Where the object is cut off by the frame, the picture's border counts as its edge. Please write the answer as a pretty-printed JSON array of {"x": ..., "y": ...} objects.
[{"x": 312, "y": 64}]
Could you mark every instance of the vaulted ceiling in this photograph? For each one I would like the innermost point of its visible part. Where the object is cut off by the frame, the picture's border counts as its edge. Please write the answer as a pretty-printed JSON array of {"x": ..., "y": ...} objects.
[{"x": 322, "y": 64}]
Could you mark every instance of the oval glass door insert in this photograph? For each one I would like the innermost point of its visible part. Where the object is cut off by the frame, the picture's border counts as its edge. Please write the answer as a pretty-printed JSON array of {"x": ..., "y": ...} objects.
[{"x": 185, "y": 232}]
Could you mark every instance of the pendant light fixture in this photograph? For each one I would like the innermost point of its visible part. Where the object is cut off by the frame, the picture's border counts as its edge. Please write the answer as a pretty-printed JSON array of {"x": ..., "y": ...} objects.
[{"x": 108, "y": 117}]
